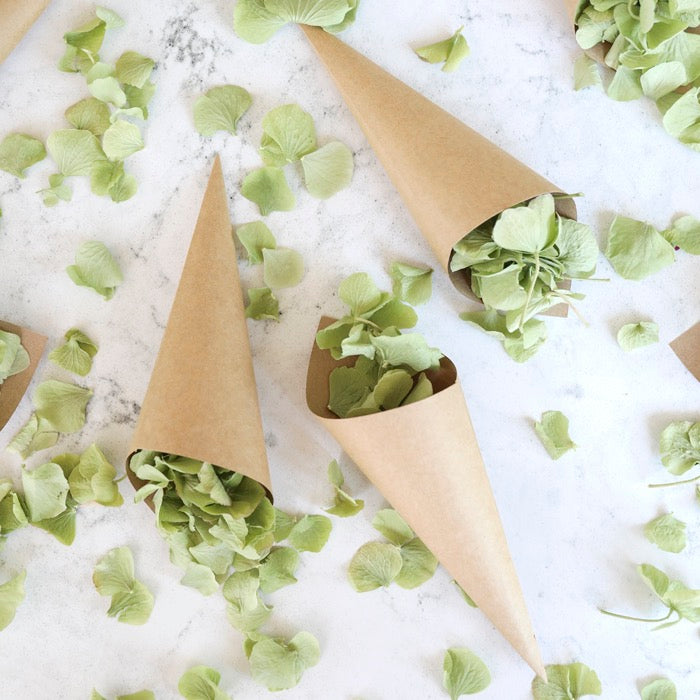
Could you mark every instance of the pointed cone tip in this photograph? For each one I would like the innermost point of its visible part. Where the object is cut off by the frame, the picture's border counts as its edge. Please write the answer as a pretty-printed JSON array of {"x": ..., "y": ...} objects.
[
  {"x": 452, "y": 511},
  {"x": 202, "y": 400}
]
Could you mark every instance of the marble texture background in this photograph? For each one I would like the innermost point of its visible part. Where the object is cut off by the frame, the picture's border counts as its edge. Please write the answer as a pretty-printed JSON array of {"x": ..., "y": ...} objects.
[{"x": 574, "y": 526}]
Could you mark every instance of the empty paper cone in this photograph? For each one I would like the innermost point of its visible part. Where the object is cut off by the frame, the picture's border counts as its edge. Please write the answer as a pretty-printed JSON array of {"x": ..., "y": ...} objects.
[
  {"x": 16, "y": 16},
  {"x": 451, "y": 179},
  {"x": 13, "y": 388},
  {"x": 687, "y": 347},
  {"x": 425, "y": 460},
  {"x": 202, "y": 400}
]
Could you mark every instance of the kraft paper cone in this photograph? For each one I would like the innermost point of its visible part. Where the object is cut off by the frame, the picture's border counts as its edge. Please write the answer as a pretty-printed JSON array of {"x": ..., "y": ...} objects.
[
  {"x": 425, "y": 460},
  {"x": 451, "y": 178},
  {"x": 13, "y": 388},
  {"x": 687, "y": 347},
  {"x": 202, "y": 400},
  {"x": 16, "y": 17}
]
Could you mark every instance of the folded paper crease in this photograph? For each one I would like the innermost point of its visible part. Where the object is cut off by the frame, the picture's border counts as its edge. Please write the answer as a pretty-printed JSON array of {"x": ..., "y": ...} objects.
[
  {"x": 425, "y": 460},
  {"x": 13, "y": 388},
  {"x": 16, "y": 17},
  {"x": 450, "y": 178},
  {"x": 202, "y": 400}
]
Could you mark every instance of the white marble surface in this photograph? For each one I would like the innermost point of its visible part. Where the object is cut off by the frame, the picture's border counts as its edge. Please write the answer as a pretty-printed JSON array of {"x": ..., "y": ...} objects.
[{"x": 574, "y": 525}]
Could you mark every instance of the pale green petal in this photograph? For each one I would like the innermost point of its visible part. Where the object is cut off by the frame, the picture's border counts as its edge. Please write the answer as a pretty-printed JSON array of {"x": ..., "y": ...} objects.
[
  {"x": 96, "y": 268},
  {"x": 113, "y": 576},
  {"x": 279, "y": 665},
  {"x": 451, "y": 51},
  {"x": 74, "y": 151},
  {"x": 282, "y": 267},
  {"x": 262, "y": 305},
  {"x": 134, "y": 69},
  {"x": 660, "y": 689},
  {"x": 663, "y": 79},
  {"x": 419, "y": 564},
  {"x": 678, "y": 451},
  {"x": 684, "y": 233},
  {"x": 278, "y": 568},
  {"x": 464, "y": 673},
  {"x": 111, "y": 19},
  {"x": 220, "y": 109},
  {"x": 637, "y": 335},
  {"x": 311, "y": 533},
  {"x": 268, "y": 188},
  {"x": 553, "y": 431},
  {"x": 586, "y": 72},
  {"x": 75, "y": 355},
  {"x": 318, "y": 13},
  {"x": 253, "y": 22},
  {"x": 255, "y": 236},
  {"x": 11, "y": 596},
  {"x": 375, "y": 564},
  {"x": 200, "y": 577},
  {"x": 89, "y": 114},
  {"x": 140, "y": 695},
  {"x": 528, "y": 228},
  {"x": 61, "y": 405},
  {"x": 626, "y": 85},
  {"x": 636, "y": 249},
  {"x": 328, "y": 169},
  {"x": 121, "y": 140},
  {"x": 33, "y": 436},
  {"x": 360, "y": 293},
  {"x": 667, "y": 533},
  {"x": 45, "y": 491},
  {"x": 566, "y": 682},
  {"x": 393, "y": 526},
  {"x": 288, "y": 134},
  {"x": 241, "y": 589},
  {"x": 19, "y": 152},
  {"x": 411, "y": 350},
  {"x": 412, "y": 284},
  {"x": 201, "y": 683}
]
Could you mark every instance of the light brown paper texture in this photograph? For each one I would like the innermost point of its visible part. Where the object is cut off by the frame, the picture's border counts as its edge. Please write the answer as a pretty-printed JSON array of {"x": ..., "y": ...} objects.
[
  {"x": 13, "y": 388},
  {"x": 202, "y": 400},
  {"x": 451, "y": 178},
  {"x": 16, "y": 17},
  {"x": 687, "y": 347},
  {"x": 425, "y": 460}
]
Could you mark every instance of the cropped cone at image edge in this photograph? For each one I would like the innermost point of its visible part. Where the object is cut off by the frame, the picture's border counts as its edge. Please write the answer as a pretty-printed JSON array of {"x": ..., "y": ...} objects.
[
  {"x": 425, "y": 460},
  {"x": 13, "y": 388},
  {"x": 206, "y": 409},
  {"x": 16, "y": 17}
]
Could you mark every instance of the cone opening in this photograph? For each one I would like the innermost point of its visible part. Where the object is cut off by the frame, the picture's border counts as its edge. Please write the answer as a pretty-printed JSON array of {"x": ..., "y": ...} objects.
[
  {"x": 321, "y": 364},
  {"x": 564, "y": 206},
  {"x": 138, "y": 483},
  {"x": 13, "y": 388}
]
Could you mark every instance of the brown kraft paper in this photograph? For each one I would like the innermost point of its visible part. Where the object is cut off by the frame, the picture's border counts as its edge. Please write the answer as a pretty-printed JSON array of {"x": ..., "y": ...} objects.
[
  {"x": 425, "y": 460},
  {"x": 687, "y": 347},
  {"x": 16, "y": 17},
  {"x": 202, "y": 399},
  {"x": 13, "y": 388},
  {"x": 450, "y": 177}
]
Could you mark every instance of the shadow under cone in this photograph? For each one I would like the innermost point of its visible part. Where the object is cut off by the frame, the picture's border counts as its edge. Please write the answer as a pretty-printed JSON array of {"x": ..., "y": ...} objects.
[
  {"x": 425, "y": 460},
  {"x": 13, "y": 388},
  {"x": 202, "y": 399},
  {"x": 16, "y": 17}
]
